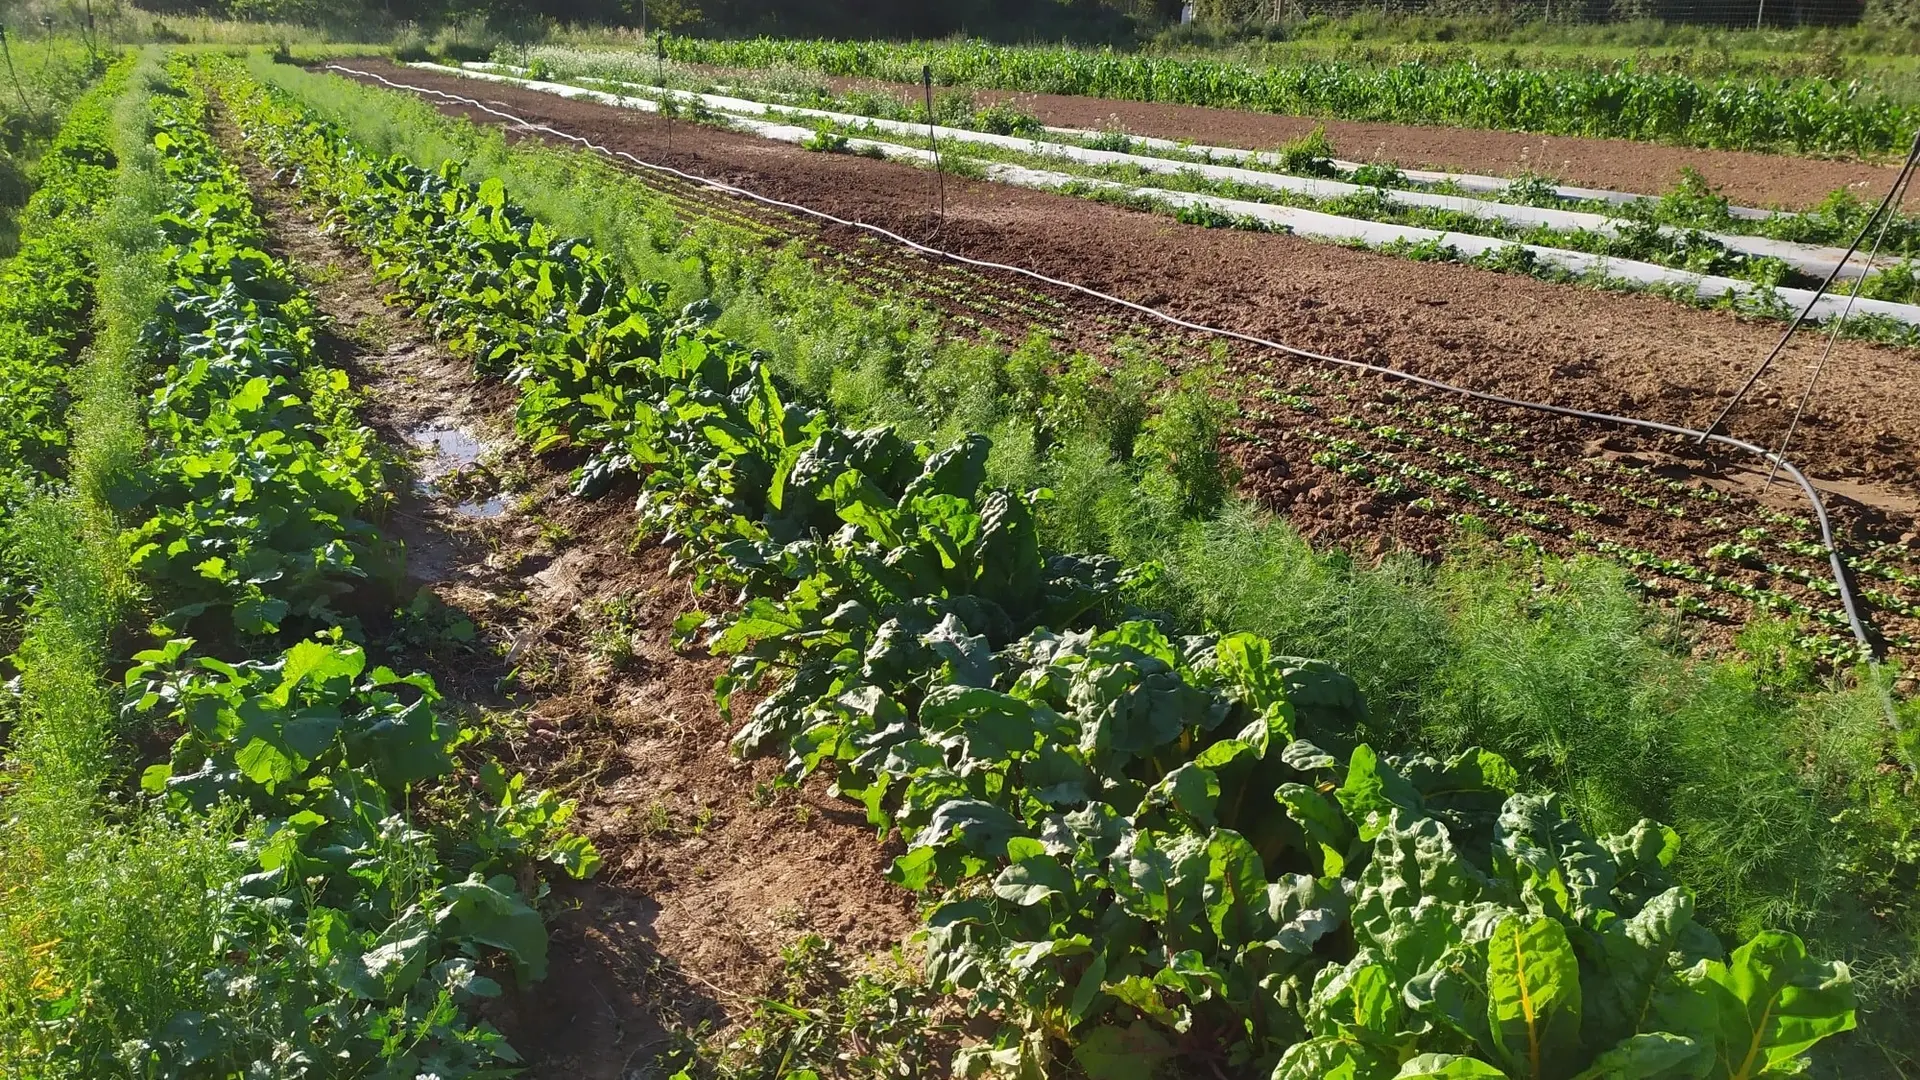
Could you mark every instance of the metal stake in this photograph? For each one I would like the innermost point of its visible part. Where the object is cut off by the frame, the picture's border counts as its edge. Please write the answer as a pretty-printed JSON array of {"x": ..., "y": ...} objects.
[
  {"x": 940, "y": 176},
  {"x": 667, "y": 101},
  {"x": 17, "y": 88}
]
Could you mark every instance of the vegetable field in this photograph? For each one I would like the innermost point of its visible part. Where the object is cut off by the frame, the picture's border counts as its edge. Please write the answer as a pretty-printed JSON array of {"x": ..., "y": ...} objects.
[
  {"x": 1804, "y": 115},
  {"x": 867, "y": 597}
]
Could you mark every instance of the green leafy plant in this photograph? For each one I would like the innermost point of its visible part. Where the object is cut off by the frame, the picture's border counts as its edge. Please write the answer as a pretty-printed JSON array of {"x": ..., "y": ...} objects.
[
  {"x": 46, "y": 290},
  {"x": 1310, "y": 154},
  {"x": 1806, "y": 114}
]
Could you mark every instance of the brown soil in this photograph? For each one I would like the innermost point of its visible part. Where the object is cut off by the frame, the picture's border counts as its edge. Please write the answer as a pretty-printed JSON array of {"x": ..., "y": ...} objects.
[
  {"x": 1567, "y": 485},
  {"x": 1625, "y": 353},
  {"x": 1748, "y": 179},
  {"x": 707, "y": 873}
]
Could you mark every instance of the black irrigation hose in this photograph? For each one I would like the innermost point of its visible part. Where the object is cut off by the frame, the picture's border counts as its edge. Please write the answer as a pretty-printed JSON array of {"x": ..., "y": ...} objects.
[
  {"x": 1840, "y": 578},
  {"x": 1913, "y": 157},
  {"x": 1896, "y": 197}
]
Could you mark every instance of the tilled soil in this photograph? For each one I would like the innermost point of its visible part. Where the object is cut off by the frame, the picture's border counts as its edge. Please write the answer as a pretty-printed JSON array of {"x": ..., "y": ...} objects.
[
  {"x": 1746, "y": 178},
  {"x": 537, "y": 615},
  {"x": 1361, "y": 462},
  {"x": 1632, "y": 354}
]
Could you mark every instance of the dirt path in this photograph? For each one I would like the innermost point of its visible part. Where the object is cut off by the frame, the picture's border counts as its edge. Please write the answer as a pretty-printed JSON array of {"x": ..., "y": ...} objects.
[
  {"x": 537, "y": 615},
  {"x": 1634, "y": 354}
]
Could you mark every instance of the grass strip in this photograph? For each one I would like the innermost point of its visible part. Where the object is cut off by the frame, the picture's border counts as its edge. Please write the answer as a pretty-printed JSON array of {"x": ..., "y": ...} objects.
[
  {"x": 76, "y": 865},
  {"x": 46, "y": 296}
]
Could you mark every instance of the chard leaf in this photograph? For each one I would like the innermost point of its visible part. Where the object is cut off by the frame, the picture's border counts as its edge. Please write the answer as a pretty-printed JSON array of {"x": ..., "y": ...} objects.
[
  {"x": 980, "y": 827},
  {"x": 1333, "y": 1059},
  {"x": 1373, "y": 790},
  {"x": 1658, "y": 1056},
  {"x": 1114, "y": 1053},
  {"x": 1446, "y": 1067},
  {"x": 1773, "y": 1003},
  {"x": 1302, "y": 912},
  {"x": 968, "y": 656},
  {"x": 1033, "y": 880},
  {"x": 760, "y": 619},
  {"x": 957, "y": 471},
  {"x": 1236, "y": 889},
  {"x": 1306, "y": 757},
  {"x": 1164, "y": 878},
  {"x": 1533, "y": 988},
  {"x": 1326, "y": 827},
  {"x": 1190, "y": 789}
]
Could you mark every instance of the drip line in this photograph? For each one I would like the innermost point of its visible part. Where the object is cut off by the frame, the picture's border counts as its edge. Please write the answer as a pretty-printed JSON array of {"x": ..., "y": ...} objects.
[{"x": 1848, "y": 601}]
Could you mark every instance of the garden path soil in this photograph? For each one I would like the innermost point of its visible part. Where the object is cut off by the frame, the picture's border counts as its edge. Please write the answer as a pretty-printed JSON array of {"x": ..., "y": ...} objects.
[
  {"x": 543, "y": 617},
  {"x": 1748, "y": 179},
  {"x": 1633, "y": 354}
]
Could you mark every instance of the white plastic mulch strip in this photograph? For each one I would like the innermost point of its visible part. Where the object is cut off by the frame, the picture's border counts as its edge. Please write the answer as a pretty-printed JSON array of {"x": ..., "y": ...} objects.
[
  {"x": 1303, "y": 222},
  {"x": 1811, "y": 259},
  {"x": 1487, "y": 185}
]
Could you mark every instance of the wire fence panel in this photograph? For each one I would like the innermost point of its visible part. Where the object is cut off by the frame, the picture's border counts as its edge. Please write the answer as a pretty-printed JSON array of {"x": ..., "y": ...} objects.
[{"x": 1733, "y": 13}]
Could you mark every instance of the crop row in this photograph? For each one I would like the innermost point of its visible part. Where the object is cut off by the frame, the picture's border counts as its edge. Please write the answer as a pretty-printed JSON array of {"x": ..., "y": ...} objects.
[
  {"x": 1143, "y": 853},
  {"x": 1408, "y": 459},
  {"x": 1807, "y": 115},
  {"x": 1639, "y": 239},
  {"x": 1484, "y": 473},
  {"x": 1644, "y": 235},
  {"x": 371, "y": 895},
  {"x": 1689, "y": 204},
  {"x": 46, "y": 290}
]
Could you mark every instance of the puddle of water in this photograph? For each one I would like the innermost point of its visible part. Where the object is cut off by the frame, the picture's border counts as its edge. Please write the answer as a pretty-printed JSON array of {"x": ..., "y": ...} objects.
[
  {"x": 482, "y": 508},
  {"x": 452, "y": 448}
]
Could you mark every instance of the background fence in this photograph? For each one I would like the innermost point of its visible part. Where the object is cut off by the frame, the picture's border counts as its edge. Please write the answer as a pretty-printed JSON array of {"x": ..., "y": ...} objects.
[{"x": 1730, "y": 13}]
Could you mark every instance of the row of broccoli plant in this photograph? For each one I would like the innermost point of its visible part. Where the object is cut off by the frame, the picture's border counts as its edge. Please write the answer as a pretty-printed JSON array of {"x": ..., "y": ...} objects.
[
  {"x": 384, "y": 894},
  {"x": 1142, "y": 849},
  {"x": 46, "y": 291}
]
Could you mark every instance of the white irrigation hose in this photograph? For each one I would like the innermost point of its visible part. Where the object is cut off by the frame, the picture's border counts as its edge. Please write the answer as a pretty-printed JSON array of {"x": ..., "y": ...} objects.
[{"x": 1847, "y": 599}]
